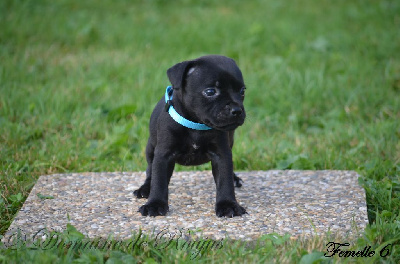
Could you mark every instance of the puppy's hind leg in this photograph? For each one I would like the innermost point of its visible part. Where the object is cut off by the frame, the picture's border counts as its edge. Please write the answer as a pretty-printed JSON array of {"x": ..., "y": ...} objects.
[
  {"x": 144, "y": 190},
  {"x": 237, "y": 181}
]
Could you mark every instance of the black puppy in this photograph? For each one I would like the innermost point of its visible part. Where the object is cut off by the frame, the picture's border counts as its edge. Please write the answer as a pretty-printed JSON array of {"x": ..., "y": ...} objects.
[{"x": 193, "y": 124}]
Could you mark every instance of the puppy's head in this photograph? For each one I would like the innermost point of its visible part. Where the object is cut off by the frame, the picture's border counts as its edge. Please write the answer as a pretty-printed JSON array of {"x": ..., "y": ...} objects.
[{"x": 210, "y": 90}]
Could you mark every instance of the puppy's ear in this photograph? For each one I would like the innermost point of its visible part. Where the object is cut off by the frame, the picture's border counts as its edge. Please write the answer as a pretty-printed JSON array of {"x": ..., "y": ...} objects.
[{"x": 178, "y": 72}]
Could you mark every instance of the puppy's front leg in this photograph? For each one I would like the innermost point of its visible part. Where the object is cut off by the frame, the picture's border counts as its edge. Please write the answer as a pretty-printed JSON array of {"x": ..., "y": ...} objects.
[
  {"x": 222, "y": 168},
  {"x": 162, "y": 168}
]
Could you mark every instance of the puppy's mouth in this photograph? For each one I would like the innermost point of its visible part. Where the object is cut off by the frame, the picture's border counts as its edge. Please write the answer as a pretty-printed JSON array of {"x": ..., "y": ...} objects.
[{"x": 224, "y": 127}]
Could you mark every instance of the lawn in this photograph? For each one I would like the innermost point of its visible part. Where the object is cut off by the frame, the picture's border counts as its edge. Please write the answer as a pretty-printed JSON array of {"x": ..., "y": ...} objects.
[{"x": 79, "y": 79}]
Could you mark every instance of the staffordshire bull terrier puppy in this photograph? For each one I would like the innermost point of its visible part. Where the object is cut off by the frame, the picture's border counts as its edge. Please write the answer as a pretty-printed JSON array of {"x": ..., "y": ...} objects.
[{"x": 192, "y": 124}]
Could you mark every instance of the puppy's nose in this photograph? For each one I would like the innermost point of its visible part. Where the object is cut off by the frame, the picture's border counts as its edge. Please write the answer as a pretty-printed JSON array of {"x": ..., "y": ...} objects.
[{"x": 236, "y": 111}]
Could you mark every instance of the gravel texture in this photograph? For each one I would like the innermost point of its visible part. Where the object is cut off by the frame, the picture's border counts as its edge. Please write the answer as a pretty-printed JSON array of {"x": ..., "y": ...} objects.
[{"x": 300, "y": 203}]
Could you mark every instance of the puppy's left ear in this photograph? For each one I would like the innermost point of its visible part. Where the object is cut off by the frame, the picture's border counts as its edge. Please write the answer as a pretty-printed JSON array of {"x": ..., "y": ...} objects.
[{"x": 178, "y": 72}]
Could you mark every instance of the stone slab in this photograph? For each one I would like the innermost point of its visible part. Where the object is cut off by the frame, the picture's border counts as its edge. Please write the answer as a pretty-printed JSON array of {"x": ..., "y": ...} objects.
[{"x": 300, "y": 203}]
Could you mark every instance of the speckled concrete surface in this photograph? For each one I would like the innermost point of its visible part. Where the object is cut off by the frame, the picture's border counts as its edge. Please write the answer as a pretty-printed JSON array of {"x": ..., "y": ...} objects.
[{"x": 102, "y": 205}]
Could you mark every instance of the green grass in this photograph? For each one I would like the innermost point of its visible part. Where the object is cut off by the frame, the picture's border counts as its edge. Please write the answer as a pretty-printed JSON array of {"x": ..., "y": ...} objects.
[{"x": 79, "y": 79}]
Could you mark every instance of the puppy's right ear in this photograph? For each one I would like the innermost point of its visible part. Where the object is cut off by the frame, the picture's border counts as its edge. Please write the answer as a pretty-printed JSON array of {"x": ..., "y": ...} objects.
[{"x": 177, "y": 73}]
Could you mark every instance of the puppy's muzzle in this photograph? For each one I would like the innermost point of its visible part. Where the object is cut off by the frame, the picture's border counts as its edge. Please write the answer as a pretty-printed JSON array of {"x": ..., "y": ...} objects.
[{"x": 236, "y": 111}]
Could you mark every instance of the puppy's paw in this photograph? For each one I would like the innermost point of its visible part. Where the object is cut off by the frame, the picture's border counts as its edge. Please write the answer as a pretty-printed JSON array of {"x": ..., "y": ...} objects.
[
  {"x": 237, "y": 181},
  {"x": 229, "y": 209},
  {"x": 154, "y": 208},
  {"x": 143, "y": 191}
]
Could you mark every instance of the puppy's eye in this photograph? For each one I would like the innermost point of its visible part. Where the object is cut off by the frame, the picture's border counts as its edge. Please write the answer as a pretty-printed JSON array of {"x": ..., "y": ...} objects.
[
  {"x": 242, "y": 91},
  {"x": 210, "y": 92}
]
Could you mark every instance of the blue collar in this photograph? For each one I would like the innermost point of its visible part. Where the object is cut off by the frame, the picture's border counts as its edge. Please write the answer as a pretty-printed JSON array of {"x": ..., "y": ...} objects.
[{"x": 177, "y": 117}]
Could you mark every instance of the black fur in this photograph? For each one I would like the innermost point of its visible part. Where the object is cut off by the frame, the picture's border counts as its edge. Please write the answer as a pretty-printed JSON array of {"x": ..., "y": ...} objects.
[{"x": 171, "y": 143}]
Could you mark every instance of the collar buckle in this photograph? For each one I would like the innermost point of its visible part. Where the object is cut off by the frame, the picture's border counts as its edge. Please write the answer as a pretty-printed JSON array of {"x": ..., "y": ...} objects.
[
  {"x": 169, "y": 108},
  {"x": 167, "y": 105}
]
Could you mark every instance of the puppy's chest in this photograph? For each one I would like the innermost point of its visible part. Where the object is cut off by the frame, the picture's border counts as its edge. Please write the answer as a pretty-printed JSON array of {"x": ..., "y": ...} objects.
[
  {"x": 192, "y": 152},
  {"x": 195, "y": 146}
]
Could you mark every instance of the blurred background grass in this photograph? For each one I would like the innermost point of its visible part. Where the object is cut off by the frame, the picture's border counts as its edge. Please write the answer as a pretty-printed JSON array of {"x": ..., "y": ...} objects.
[{"x": 79, "y": 79}]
